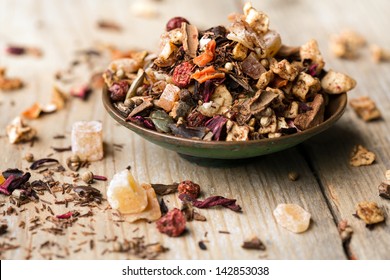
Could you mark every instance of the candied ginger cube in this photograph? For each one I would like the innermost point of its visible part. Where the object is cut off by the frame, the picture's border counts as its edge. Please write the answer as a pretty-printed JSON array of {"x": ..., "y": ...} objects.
[{"x": 87, "y": 140}]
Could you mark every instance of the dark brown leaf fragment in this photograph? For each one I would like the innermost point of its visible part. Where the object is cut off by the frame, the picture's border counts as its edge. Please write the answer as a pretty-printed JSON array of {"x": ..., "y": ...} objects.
[{"x": 163, "y": 189}]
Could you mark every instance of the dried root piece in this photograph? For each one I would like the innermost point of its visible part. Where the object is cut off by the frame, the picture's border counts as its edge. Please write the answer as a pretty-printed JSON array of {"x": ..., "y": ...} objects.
[
  {"x": 369, "y": 212},
  {"x": 365, "y": 108},
  {"x": 312, "y": 117},
  {"x": 18, "y": 131},
  {"x": 361, "y": 156},
  {"x": 292, "y": 217}
]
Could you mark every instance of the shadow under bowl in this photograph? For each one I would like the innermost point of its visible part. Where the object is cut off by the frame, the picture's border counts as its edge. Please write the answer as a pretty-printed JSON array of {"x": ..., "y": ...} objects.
[{"x": 230, "y": 150}]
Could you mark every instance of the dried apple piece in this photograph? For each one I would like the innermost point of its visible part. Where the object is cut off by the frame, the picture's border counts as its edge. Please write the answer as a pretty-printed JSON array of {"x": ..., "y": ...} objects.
[
  {"x": 369, "y": 212},
  {"x": 361, "y": 156},
  {"x": 18, "y": 131},
  {"x": 152, "y": 211},
  {"x": 125, "y": 194}
]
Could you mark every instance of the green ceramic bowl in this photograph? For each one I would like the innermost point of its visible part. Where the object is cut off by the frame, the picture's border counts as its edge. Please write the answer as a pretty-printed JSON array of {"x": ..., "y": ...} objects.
[{"x": 230, "y": 150}]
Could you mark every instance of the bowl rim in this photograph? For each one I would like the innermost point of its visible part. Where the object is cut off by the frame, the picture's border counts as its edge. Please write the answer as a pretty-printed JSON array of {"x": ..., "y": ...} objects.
[{"x": 187, "y": 141}]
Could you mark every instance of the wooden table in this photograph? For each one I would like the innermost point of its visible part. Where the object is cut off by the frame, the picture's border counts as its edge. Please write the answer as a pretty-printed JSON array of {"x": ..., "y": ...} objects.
[{"x": 328, "y": 187}]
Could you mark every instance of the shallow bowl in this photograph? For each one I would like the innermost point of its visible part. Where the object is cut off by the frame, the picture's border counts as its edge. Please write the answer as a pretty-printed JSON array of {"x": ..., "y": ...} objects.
[{"x": 230, "y": 150}]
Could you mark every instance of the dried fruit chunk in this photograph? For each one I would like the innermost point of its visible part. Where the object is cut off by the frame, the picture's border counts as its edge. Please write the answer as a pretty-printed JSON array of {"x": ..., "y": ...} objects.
[
  {"x": 189, "y": 188},
  {"x": 175, "y": 22},
  {"x": 310, "y": 52},
  {"x": 18, "y": 131},
  {"x": 207, "y": 73},
  {"x": 369, "y": 212},
  {"x": 379, "y": 54},
  {"x": 365, "y": 107},
  {"x": 347, "y": 44},
  {"x": 152, "y": 211},
  {"x": 361, "y": 156},
  {"x": 292, "y": 217},
  {"x": 125, "y": 194},
  {"x": 169, "y": 96},
  {"x": 182, "y": 74},
  {"x": 32, "y": 112},
  {"x": 207, "y": 56},
  {"x": 8, "y": 84},
  {"x": 336, "y": 83},
  {"x": 173, "y": 223},
  {"x": 87, "y": 140}
]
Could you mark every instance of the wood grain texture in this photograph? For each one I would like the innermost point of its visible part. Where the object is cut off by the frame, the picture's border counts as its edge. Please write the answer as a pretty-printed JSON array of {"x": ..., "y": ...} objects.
[{"x": 328, "y": 188}]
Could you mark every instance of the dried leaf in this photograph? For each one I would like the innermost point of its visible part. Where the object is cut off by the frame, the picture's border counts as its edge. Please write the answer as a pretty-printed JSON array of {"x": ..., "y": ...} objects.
[{"x": 163, "y": 189}]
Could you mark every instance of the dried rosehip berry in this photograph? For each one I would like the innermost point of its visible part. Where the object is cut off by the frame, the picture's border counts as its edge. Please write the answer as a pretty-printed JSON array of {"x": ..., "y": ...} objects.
[
  {"x": 119, "y": 90},
  {"x": 189, "y": 188},
  {"x": 182, "y": 74},
  {"x": 172, "y": 224},
  {"x": 175, "y": 22}
]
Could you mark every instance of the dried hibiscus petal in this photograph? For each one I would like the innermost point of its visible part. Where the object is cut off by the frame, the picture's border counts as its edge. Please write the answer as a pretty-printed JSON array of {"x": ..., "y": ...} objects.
[
  {"x": 119, "y": 90},
  {"x": 182, "y": 74},
  {"x": 172, "y": 224},
  {"x": 196, "y": 119},
  {"x": 216, "y": 125},
  {"x": 66, "y": 215},
  {"x": 213, "y": 201}
]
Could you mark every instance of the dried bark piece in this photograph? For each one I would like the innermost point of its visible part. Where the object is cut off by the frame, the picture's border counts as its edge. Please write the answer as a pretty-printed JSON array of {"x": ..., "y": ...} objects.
[
  {"x": 253, "y": 243},
  {"x": 361, "y": 156},
  {"x": 313, "y": 117},
  {"x": 384, "y": 190},
  {"x": 162, "y": 189},
  {"x": 87, "y": 140},
  {"x": 190, "y": 39},
  {"x": 125, "y": 194},
  {"x": 252, "y": 67},
  {"x": 292, "y": 217},
  {"x": 152, "y": 211},
  {"x": 18, "y": 131},
  {"x": 369, "y": 212},
  {"x": 365, "y": 108}
]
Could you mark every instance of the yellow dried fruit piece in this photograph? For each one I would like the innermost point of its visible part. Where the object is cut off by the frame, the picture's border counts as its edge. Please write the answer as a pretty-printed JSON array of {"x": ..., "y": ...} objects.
[
  {"x": 369, "y": 212},
  {"x": 292, "y": 217},
  {"x": 2, "y": 179},
  {"x": 125, "y": 194},
  {"x": 152, "y": 212}
]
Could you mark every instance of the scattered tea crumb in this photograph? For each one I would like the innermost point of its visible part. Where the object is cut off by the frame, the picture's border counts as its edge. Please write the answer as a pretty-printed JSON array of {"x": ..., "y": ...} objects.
[
  {"x": 361, "y": 156},
  {"x": 202, "y": 246},
  {"x": 293, "y": 176},
  {"x": 109, "y": 25}
]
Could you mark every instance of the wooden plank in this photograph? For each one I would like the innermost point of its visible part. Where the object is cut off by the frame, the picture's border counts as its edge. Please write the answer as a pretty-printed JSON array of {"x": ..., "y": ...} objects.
[
  {"x": 343, "y": 185},
  {"x": 258, "y": 185}
]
